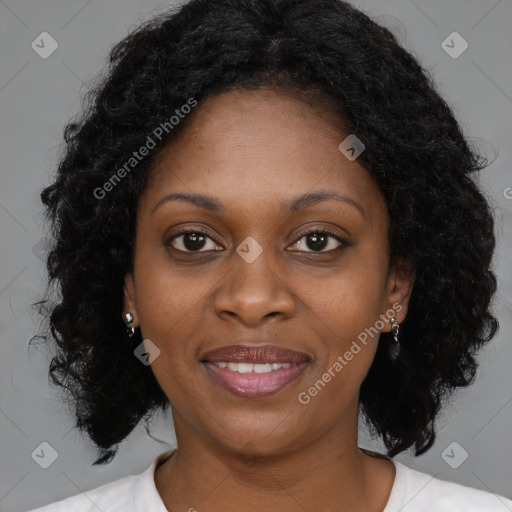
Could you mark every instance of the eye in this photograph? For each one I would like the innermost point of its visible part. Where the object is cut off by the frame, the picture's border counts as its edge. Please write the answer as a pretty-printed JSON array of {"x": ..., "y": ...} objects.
[
  {"x": 196, "y": 240},
  {"x": 318, "y": 240},
  {"x": 191, "y": 240}
]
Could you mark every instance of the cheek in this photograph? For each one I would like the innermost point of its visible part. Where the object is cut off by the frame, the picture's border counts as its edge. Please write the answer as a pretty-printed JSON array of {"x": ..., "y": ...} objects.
[
  {"x": 346, "y": 317},
  {"x": 169, "y": 313},
  {"x": 169, "y": 305},
  {"x": 348, "y": 301},
  {"x": 348, "y": 345}
]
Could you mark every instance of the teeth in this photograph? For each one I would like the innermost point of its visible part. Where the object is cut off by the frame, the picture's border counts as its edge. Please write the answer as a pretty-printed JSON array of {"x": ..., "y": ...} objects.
[
  {"x": 244, "y": 368},
  {"x": 253, "y": 368},
  {"x": 262, "y": 368}
]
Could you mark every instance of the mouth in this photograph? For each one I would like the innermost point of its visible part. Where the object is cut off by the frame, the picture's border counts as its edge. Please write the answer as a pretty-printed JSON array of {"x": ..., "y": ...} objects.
[{"x": 254, "y": 372}]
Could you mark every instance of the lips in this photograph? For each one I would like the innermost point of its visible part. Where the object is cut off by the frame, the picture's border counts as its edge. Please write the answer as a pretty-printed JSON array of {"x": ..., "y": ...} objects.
[
  {"x": 249, "y": 354},
  {"x": 250, "y": 371}
]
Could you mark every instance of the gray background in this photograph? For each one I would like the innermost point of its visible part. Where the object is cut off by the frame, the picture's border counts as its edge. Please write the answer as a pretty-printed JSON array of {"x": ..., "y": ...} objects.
[{"x": 37, "y": 98}]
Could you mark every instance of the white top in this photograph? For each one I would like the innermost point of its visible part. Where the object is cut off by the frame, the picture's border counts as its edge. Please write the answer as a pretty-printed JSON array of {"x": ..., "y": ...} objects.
[{"x": 413, "y": 491}]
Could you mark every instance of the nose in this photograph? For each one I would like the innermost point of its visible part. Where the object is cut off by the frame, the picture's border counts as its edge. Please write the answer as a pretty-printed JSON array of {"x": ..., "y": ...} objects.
[{"x": 254, "y": 292}]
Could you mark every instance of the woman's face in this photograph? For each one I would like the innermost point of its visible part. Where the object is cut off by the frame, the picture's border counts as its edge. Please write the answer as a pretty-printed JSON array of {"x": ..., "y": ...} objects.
[{"x": 253, "y": 277}]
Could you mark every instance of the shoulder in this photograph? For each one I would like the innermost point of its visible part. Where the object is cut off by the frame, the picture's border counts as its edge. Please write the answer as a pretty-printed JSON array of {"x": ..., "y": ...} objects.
[
  {"x": 131, "y": 493},
  {"x": 415, "y": 491},
  {"x": 110, "y": 497}
]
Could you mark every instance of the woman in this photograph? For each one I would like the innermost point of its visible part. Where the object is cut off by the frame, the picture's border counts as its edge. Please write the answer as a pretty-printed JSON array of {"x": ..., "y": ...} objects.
[{"x": 281, "y": 209}]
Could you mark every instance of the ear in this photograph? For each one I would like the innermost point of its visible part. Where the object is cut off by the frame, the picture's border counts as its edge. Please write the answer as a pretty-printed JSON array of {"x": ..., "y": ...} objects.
[
  {"x": 399, "y": 288},
  {"x": 129, "y": 302}
]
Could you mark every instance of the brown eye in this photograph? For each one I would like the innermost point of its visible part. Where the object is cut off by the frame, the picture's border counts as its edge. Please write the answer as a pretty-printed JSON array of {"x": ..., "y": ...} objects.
[
  {"x": 318, "y": 240},
  {"x": 192, "y": 240}
]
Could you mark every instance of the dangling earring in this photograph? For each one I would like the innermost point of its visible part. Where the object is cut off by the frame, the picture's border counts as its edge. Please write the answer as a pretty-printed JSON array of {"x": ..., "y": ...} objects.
[
  {"x": 394, "y": 349},
  {"x": 129, "y": 320}
]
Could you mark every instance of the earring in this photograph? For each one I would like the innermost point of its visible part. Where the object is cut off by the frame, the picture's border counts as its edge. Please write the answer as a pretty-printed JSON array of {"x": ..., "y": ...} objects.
[
  {"x": 129, "y": 320},
  {"x": 395, "y": 327},
  {"x": 394, "y": 349}
]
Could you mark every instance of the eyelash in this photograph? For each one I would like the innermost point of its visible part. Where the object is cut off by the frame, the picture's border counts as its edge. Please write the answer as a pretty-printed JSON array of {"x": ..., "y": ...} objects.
[{"x": 318, "y": 231}]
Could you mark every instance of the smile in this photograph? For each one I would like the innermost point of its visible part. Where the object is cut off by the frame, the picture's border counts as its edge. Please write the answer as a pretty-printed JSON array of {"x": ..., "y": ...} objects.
[
  {"x": 253, "y": 368},
  {"x": 254, "y": 380},
  {"x": 254, "y": 372}
]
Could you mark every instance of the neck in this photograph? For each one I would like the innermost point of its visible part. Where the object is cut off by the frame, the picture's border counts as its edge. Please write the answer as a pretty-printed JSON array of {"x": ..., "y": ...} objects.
[{"x": 330, "y": 473}]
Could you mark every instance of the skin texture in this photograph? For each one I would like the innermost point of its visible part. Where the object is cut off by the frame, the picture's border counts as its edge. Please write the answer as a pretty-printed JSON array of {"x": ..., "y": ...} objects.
[{"x": 252, "y": 151}]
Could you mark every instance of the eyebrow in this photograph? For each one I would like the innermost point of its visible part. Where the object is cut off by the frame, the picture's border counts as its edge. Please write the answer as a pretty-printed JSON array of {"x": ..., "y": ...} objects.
[{"x": 295, "y": 204}]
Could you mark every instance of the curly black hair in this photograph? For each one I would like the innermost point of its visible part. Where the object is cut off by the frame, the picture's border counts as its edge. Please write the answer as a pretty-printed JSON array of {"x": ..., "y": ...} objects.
[{"x": 415, "y": 150}]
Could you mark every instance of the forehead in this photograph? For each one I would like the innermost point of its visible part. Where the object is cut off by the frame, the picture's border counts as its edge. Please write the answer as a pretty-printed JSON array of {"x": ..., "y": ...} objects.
[{"x": 259, "y": 146}]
